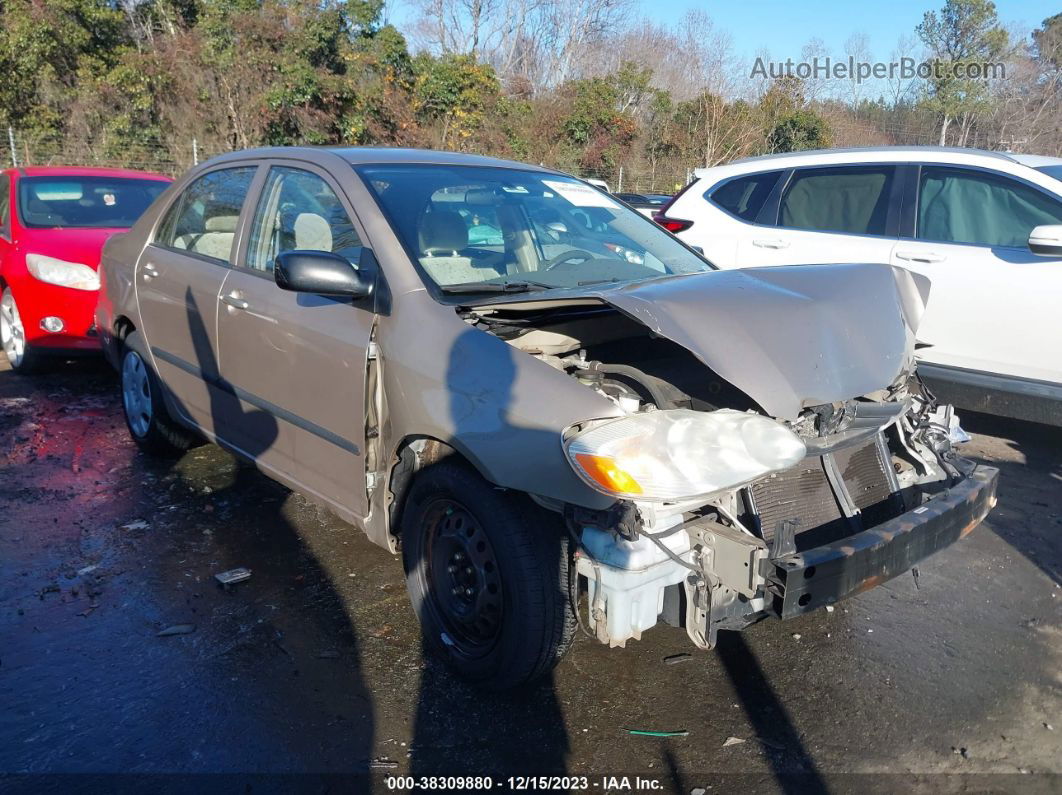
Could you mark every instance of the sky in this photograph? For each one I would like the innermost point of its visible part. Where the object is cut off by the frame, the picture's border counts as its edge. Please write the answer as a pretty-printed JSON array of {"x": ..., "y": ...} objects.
[{"x": 783, "y": 27}]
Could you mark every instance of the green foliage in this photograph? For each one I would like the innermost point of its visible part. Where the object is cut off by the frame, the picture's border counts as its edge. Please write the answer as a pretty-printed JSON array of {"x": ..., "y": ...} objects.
[
  {"x": 798, "y": 130},
  {"x": 965, "y": 33}
]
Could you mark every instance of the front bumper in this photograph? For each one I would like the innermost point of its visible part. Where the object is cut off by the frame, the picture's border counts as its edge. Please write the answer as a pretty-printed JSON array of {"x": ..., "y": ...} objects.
[{"x": 817, "y": 577}]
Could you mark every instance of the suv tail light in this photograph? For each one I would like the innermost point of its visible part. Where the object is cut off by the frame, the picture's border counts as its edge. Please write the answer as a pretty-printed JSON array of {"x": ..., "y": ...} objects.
[{"x": 672, "y": 225}]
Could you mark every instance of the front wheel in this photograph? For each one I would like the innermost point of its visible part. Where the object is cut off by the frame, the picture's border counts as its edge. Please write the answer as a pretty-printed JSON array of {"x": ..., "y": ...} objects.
[
  {"x": 21, "y": 357},
  {"x": 487, "y": 571},
  {"x": 146, "y": 415}
]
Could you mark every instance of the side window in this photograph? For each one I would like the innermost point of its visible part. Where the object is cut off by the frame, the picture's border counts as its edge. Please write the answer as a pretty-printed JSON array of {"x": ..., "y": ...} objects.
[
  {"x": 744, "y": 196},
  {"x": 203, "y": 220},
  {"x": 5, "y": 205},
  {"x": 852, "y": 199},
  {"x": 298, "y": 211},
  {"x": 961, "y": 206}
]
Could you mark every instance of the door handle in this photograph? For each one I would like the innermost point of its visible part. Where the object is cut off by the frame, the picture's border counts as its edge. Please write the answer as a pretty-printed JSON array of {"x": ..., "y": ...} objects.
[
  {"x": 920, "y": 256},
  {"x": 149, "y": 271},
  {"x": 771, "y": 243},
  {"x": 234, "y": 301}
]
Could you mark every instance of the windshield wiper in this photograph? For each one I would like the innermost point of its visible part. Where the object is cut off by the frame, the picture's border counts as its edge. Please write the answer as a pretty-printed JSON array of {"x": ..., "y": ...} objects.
[{"x": 495, "y": 287}]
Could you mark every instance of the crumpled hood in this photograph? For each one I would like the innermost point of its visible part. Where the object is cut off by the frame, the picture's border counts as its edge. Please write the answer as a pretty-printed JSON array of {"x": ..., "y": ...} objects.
[{"x": 791, "y": 336}]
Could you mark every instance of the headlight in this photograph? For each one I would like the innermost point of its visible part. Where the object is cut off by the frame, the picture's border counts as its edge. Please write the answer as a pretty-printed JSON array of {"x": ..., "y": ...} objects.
[
  {"x": 62, "y": 273},
  {"x": 679, "y": 454}
]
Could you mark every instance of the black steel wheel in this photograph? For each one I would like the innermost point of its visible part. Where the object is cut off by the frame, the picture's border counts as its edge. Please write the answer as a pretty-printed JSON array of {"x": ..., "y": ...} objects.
[{"x": 487, "y": 572}]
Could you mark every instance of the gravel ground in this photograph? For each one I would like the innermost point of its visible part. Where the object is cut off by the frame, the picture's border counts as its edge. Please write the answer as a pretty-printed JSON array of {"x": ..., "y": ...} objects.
[{"x": 314, "y": 666}]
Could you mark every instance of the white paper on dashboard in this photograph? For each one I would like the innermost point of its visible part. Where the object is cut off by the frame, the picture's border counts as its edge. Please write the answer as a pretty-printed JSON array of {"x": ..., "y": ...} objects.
[{"x": 581, "y": 195}]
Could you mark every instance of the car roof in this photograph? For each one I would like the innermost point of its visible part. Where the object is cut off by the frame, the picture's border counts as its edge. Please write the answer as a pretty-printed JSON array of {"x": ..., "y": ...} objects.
[
  {"x": 878, "y": 154},
  {"x": 1037, "y": 161},
  {"x": 86, "y": 171},
  {"x": 365, "y": 155}
]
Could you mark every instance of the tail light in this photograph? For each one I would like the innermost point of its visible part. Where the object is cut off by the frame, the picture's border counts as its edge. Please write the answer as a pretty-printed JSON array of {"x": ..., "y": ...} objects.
[{"x": 672, "y": 225}]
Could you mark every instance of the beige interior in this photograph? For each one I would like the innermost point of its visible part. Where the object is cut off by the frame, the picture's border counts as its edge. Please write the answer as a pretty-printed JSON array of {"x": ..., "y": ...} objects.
[
  {"x": 443, "y": 236},
  {"x": 215, "y": 242}
]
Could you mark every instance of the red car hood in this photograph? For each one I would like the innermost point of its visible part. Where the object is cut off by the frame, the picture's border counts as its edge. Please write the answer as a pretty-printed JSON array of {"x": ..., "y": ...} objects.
[{"x": 71, "y": 245}]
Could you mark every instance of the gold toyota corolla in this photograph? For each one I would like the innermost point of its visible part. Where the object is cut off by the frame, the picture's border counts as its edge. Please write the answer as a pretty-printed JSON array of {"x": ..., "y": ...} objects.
[{"x": 558, "y": 412}]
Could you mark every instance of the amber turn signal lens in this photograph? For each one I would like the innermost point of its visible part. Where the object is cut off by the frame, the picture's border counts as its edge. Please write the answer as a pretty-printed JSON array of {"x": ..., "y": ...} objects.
[{"x": 604, "y": 471}]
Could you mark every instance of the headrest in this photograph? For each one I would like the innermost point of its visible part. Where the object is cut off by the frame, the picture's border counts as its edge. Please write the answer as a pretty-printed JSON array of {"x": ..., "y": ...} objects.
[
  {"x": 443, "y": 231},
  {"x": 221, "y": 223},
  {"x": 312, "y": 232}
]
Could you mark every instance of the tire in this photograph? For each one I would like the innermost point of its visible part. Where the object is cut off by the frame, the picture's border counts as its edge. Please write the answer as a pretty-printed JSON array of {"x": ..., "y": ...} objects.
[
  {"x": 460, "y": 532},
  {"x": 146, "y": 416},
  {"x": 22, "y": 358}
]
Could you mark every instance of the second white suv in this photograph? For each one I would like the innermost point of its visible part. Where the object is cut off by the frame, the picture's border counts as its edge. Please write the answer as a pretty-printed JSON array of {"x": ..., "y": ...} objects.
[{"x": 985, "y": 227}]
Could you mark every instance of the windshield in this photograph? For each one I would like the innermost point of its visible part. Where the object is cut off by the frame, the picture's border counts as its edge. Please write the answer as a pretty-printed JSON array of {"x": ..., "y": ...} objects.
[
  {"x": 85, "y": 202},
  {"x": 474, "y": 229},
  {"x": 1052, "y": 171}
]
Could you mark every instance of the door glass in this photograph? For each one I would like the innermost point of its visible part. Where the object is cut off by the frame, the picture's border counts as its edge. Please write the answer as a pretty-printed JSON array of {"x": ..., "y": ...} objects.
[
  {"x": 962, "y": 206},
  {"x": 744, "y": 197},
  {"x": 847, "y": 199},
  {"x": 5, "y": 204},
  {"x": 298, "y": 211},
  {"x": 203, "y": 220}
]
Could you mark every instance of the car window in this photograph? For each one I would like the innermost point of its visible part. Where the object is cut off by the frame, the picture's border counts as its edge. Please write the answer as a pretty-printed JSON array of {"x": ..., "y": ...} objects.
[
  {"x": 472, "y": 229},
  {"x": 203, "y": 220},
  {"x": 963, "y": 206},
  {"x": 744, "y": 196},
  {"x": 85, "y": 202},
  {"x": 299, "y": 211},
  {"x": 5, "y": 204},
  {"x": 851, "y": 199}
]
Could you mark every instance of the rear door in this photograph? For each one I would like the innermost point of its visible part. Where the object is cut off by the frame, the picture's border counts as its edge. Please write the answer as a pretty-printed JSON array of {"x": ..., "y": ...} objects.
[
  {"x": 298, "y": 362},
  {"x": 827, "y": 214},
  {"x": 994, "y": 306},
  {"x": 178, "y": 278}
]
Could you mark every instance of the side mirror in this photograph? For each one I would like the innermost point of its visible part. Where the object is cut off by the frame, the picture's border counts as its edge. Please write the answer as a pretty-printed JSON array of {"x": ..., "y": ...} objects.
[
  {"x": 1046, "y": 241},
  {"x": 325, "y": 273}
]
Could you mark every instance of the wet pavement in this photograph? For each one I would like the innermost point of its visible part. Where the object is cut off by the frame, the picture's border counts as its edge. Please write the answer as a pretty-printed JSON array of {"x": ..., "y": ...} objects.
[{"x": 314, "y": 665}]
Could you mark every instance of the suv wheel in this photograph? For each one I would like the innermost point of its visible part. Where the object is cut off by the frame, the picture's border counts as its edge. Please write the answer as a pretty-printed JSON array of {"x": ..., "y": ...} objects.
[
  {"x": 22, "y": 358},
  {"x": 487, "y": 571},
  {"x": 146, "y": 415}
]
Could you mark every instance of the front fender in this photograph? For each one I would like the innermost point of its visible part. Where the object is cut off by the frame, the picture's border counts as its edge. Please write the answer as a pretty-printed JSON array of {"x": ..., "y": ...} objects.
[{"x": 501, "y": 408}]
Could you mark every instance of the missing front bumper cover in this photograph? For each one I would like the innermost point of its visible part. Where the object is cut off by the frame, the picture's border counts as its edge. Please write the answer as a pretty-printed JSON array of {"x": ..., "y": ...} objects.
[{"x": 811, "y": 579}]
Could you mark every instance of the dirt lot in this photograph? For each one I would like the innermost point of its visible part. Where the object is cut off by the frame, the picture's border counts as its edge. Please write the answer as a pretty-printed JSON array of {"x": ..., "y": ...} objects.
[{"x": 314, "y": 666}]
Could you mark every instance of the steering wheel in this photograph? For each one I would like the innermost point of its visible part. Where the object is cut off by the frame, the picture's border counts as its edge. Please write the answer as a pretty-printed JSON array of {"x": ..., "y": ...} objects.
[{"x": 570, "y": 254}]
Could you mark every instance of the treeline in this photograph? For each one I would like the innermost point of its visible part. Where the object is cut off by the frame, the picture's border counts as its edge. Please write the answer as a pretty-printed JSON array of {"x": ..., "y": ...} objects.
[{"x": 576, "y": 84}]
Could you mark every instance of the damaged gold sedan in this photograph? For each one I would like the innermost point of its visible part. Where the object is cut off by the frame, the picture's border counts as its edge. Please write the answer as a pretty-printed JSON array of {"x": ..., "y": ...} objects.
[{"x": 558, "y": 412}]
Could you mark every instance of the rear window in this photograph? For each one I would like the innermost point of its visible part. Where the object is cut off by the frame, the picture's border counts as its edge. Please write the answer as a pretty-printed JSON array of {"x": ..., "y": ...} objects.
[
  {"x": 744, "y": 196},
  {"x": 85, "y": 202}
]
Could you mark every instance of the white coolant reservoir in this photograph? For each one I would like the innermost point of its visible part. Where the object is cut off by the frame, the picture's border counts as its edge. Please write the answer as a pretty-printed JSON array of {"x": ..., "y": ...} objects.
[{"x": 633, "y": 576}]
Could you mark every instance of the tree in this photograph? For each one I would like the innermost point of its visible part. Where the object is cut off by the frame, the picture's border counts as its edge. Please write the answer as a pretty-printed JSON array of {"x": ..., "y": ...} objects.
[
  {"x": 797, "y": 130},
  {"x": 965, "y": 34}
]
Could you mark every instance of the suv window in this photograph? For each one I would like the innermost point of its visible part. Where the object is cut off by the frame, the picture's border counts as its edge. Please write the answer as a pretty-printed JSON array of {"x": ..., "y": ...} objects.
[
  {"x": 203, "y": 220},
  {"x": 744, "y": 196},
  {"x": 851, "y": 199},
  {"x": 961, "y": 206},
  {"x": 298, "y": 211}
]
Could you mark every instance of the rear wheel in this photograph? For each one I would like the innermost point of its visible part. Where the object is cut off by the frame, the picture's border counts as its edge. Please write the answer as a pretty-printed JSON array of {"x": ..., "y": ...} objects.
[
  {"x": 146, "y": 415},
  {"x": 487, "y": 571},
  {"x": 22, "y": 358}
]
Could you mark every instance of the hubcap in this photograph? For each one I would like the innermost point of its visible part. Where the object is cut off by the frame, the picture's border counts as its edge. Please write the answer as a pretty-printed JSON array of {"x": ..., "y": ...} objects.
[
  {"x": 136, "y": 393},
  {"x": 12, "y": 334},
  {"x": 463, "y": 578}
]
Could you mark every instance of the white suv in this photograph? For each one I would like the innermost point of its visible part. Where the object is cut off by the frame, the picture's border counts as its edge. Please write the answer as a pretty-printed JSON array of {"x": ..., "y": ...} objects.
[{"x": 985, "y": 227}]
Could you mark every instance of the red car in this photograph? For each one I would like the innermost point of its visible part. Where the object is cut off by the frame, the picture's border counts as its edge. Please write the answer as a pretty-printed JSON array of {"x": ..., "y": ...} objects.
[{"x": 53, "y": 224}]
